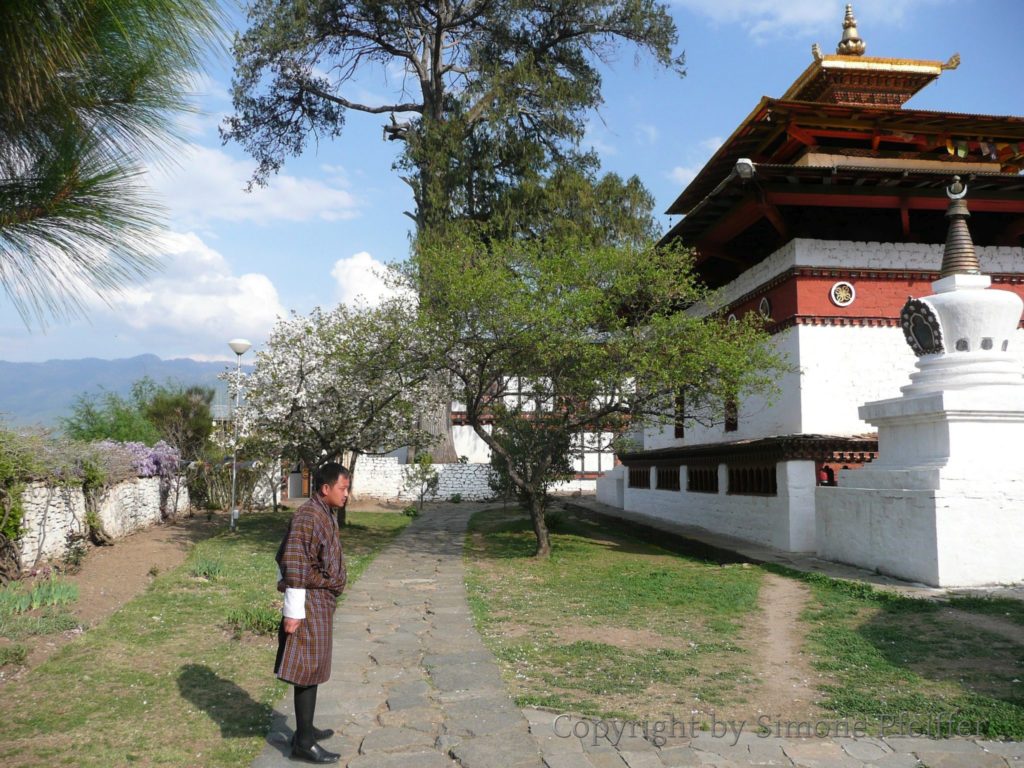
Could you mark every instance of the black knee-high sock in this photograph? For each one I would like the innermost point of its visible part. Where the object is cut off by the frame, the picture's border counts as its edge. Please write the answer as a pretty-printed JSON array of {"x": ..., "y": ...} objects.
[{"x": 305, "y": 705}]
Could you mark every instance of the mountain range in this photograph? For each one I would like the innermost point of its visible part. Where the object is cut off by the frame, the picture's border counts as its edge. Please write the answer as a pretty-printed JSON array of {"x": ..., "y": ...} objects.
[{"x": 42, "y": 393}]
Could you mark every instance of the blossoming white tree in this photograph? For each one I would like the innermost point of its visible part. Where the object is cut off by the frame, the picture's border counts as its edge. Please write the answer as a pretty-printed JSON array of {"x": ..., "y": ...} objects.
[{"x": 338, "y": 382}]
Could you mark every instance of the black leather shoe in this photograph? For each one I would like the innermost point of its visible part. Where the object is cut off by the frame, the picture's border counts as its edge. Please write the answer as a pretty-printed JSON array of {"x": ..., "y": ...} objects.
[
  {"x": 315, "y": 754},
  {"x": 322, "y": 734}
]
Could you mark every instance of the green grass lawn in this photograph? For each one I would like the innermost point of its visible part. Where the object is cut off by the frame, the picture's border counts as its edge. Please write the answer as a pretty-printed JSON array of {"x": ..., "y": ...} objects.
[
  {"x": 615, "y": 626},
  {"x": 168, "y": 679},
  {"x": 894, "y": 659},
  {"x": 610, "y": 625}
]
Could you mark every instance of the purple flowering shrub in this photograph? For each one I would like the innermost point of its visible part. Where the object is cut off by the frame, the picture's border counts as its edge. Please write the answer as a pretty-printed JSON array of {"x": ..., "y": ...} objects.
[{"x": 161, "y": 460}]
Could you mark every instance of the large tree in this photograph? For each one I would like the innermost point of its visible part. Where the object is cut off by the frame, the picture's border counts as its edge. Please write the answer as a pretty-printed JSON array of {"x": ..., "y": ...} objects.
[
  {"x": 490, "y": 97},
  {"x": 88, "y": 92},
  {"x": 548, "y": 339}
]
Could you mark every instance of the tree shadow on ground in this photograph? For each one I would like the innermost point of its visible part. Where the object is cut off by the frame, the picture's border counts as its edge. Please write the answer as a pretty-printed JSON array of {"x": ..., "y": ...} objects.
[
  {"x": 619, "y": 535},
  {"x": 231, "y": 707}
]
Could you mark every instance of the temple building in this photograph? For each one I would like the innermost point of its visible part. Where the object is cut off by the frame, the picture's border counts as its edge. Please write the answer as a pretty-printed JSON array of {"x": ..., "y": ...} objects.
[{"x": 824, "y": 210}]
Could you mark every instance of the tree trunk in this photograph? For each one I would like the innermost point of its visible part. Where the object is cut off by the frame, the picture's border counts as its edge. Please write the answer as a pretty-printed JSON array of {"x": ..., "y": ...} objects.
[
  {"x": 343, "y": 510},
  {"x": 438, "y": 422},
  {"x": 540, "y": 527}
]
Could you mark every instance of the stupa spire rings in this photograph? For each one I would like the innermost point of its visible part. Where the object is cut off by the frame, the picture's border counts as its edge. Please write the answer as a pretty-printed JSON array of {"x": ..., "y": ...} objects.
[
  {"x": 959, "y": 257},
  {"x": 851, "y": 44}
]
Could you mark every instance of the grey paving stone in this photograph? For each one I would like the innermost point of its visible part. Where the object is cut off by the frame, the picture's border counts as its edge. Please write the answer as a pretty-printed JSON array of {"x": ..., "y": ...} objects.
[
  {"x": 730, "y": 747},
  {"x": 454, "y": 659},
  {"x": 410, "y": 688},
  {"x": 767, "y": 752},
  {"x": 541, "y": 721},
  {"x": 550, "y": 744},
  {"x": 1005, "y": 748},
  {"x": 819, "y": 753},
  {"x": 641, "y": 759},
  {"x": 570, "y": 760},
  {"x": 422, "y": 759},
  {"x": 895, "y": 760},
  {"x": 919, "y": 744},
  {"x": 629, "y": 739},
  {"x": 426, "y": 719},
  {"x": 481, "y": 717},
  {"x": 460, "y": 677},
  {"x": 407, "y": 701},
  {"x": 395, "y": 739},
  {"x": 679, "y": 757},
  {"x": 864, "y": 749},
  {"x": 506, "y": 750},
  {"x": 961, "y": 759},
  {"x": 606, "y": 759}
]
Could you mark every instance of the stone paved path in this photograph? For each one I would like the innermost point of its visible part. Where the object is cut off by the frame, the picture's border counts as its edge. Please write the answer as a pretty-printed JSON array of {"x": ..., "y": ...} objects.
[{"x": 413, "y": 686}]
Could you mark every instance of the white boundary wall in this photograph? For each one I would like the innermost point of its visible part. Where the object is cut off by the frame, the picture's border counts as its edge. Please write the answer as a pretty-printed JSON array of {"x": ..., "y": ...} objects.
[
  {"x": 384, "y": 478},
  {"x": 53, "y": 513},
  {"x": 784, "y": 521}
]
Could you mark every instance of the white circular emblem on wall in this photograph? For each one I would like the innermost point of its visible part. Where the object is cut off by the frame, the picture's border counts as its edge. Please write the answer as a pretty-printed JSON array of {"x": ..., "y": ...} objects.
[
  {"x": 765, "y": 307},
  {"x": 842, "y": 294}
]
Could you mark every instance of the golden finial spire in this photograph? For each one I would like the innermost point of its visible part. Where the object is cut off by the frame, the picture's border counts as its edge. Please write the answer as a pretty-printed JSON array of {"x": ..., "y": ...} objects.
[
  {"x": 851, "y": 44},
  {"x": 959, "y": 257}
]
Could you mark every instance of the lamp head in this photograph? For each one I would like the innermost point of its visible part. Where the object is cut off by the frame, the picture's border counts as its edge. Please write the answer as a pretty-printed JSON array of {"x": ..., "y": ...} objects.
[
  {"x": 239, "y": 346},
  {"x": 745, "y": 168}
]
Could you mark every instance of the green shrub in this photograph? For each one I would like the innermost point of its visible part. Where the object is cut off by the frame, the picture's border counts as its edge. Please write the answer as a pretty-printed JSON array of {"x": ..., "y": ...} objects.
[
  {"x": 74, "y": 554},
  {"x": 205, "y": 567},
  {"x": 411, "y": 511},
  {"x": 18, "y": 597},
  {"x": 260, "y": 620},
  {"x": 53, "y": 592},
  {"x": 13, "y": 654},
  {"x": 456, "y": 498}
]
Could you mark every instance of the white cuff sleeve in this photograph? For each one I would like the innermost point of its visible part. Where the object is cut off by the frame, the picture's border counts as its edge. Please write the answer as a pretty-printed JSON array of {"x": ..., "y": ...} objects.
[{"x": 294, "y": 603}]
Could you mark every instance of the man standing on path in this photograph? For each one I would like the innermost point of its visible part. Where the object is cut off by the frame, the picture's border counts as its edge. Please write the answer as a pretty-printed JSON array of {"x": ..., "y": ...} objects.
[{"x": 312, "y": 577}]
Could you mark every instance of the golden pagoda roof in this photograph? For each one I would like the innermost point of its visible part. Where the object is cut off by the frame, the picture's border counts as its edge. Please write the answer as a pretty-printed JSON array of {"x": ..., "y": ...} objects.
[
  {"x": 850, "y": 78},
  {"x": 864, "y": 80}
]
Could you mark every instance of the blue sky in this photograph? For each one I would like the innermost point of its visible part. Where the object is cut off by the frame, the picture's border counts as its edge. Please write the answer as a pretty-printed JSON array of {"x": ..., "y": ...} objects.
[{"x": 234, "y": 261}]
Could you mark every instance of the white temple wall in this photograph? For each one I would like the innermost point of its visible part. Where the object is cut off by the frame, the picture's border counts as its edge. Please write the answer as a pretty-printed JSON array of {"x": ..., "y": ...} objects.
[
  {"x": 845, "y": 366},
  {"x": 756, "y": 417},
  {"x": 840, "y": 367},
  {"x": 469, "y": 444}
]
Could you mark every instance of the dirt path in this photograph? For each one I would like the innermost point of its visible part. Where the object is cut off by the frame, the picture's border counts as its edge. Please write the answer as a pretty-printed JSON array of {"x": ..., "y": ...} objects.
[
  {"x": 111, "y": 576},
  {"x": 787, "y": 680}
]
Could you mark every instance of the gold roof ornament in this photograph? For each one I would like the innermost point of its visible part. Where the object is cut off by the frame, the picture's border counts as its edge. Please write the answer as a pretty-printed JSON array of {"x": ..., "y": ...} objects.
[
  {"x": 959, "y": 257},
  {"x": 851, "y": 44}
]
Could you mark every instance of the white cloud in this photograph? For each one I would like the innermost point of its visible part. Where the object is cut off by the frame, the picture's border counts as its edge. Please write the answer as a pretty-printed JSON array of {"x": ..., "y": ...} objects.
[
  {"x": 361, "y": 277},
  {"x": 766, "y": 19},
  {"x": 206, "y": 185},
  {"x": 684, "y": 174},
  {"x": 712, "y": 145},
  {"x": 696, "y": 158},
  {"x": 645, "y": 133},
  {"x": 198, "y": 297}
]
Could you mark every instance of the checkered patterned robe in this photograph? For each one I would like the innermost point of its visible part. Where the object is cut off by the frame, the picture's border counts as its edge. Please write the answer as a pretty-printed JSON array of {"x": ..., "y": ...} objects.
[{"x": 310, "y": 558}]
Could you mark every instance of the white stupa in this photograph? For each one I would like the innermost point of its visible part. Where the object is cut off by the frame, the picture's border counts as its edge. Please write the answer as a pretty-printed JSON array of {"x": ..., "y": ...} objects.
[{"x": 944, "y": 502}]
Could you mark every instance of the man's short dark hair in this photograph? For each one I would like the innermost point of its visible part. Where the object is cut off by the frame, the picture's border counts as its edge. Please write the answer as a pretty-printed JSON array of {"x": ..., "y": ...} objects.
[{"x": 328, "y": 474}]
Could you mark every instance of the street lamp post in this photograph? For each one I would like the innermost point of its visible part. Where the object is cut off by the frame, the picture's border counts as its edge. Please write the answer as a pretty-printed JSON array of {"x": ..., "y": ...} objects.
[{"x": 239, "y": 347}]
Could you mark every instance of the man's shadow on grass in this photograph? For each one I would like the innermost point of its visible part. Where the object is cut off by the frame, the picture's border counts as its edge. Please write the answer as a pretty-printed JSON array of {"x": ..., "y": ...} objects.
[{"x": 230, "y": 706}]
